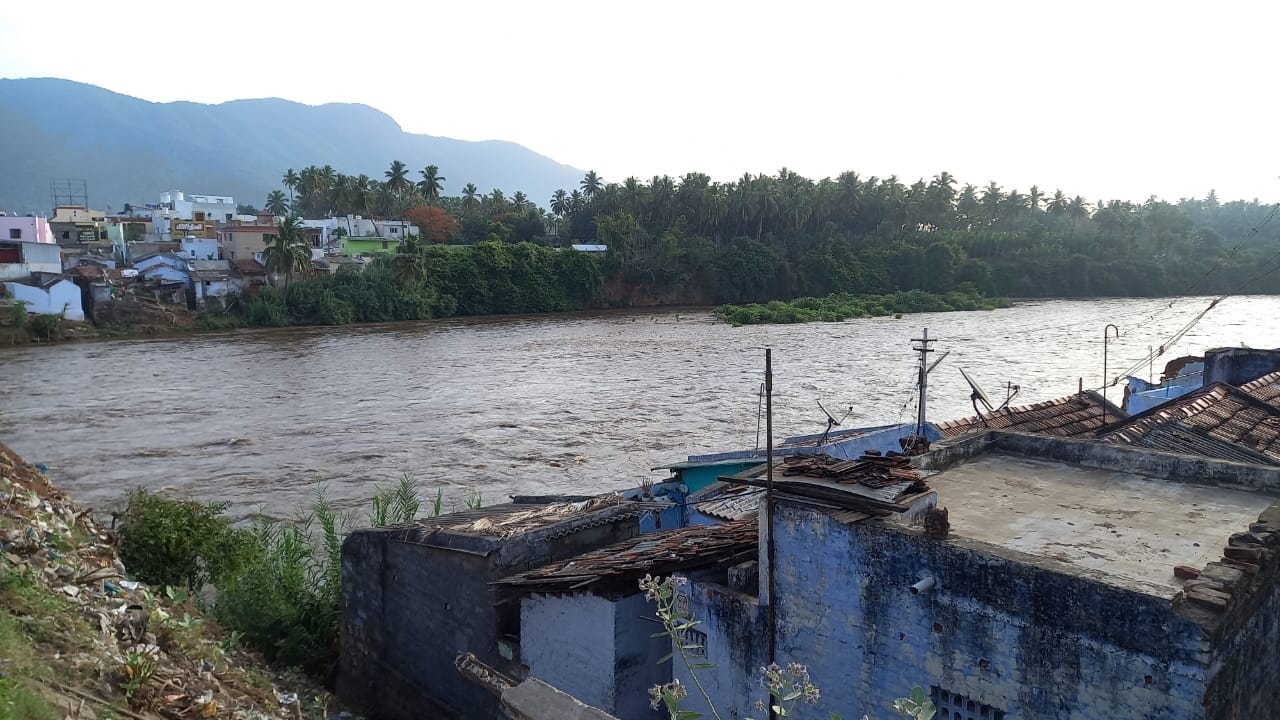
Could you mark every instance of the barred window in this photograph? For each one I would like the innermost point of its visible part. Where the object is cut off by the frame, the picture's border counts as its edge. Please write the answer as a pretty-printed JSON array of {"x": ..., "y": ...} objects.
[{"x": 954, "y": 706}]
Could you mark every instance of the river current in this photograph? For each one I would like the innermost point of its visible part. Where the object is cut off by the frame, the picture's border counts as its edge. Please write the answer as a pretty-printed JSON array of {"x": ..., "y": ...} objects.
[{"x": 577, "y": 403}]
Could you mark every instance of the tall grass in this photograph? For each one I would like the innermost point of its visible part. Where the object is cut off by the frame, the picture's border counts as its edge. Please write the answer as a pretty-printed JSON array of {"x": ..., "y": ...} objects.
[{"x": 278, "y": 584}]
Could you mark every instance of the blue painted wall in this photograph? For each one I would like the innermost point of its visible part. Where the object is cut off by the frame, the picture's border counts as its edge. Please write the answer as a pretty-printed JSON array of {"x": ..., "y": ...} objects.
[{"x": 1034, "y": 643}]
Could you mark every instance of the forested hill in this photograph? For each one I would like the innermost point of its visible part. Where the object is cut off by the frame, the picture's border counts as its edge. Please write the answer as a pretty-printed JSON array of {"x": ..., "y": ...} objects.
[
  {"x": 780, "y": 236},
  {"x": 130, "y": 150}
]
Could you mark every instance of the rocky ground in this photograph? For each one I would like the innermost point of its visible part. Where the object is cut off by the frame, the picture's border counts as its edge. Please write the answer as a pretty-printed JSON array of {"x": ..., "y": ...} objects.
[{"x": 80, "y": 640}]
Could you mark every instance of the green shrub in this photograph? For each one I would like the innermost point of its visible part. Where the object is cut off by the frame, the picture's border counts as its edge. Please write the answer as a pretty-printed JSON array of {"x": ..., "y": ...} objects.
[
  {"x": 842, "y": 306},
  {"x": 179, "y": 543},
  {"x": 45, "y": 327}
]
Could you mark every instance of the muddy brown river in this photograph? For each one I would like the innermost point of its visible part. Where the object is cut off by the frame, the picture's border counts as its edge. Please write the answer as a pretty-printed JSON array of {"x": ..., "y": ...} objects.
[{"x": 551, "y": 404}]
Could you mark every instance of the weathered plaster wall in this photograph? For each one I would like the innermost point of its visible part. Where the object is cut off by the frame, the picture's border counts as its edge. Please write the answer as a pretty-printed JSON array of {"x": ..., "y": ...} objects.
[
  {"x": 413, "y": 600},
  {"x": 636, "y": 667},
  {"x": 735, "y": 646},
  {"x": 1031, "y": 642},
  {"x": 1237, "y": 366},
  {"x": 568, "y": 642}
]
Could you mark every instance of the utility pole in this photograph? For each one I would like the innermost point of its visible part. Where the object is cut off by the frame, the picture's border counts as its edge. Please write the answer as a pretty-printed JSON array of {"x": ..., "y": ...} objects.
[
  {"x": 770, "y": 551},
  {"x": 923, "y": 383},
  {"x": 1106, "y": 338}
]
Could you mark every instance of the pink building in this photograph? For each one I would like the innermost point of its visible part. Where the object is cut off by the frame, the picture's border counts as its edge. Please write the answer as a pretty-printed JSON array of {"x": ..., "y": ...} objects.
[{"x": 25, "y": 229}]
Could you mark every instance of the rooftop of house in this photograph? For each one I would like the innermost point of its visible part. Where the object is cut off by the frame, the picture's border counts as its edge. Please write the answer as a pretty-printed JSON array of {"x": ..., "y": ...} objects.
[
  {"x": 515, "y": 518},
  {"x": 1218, "y": 421},
  {"x": 1265, "y": 388},
  {"x": 727, "y": 501},
  {"x": 873, "y": 484},
  {"x": 617, "y": 568},
  {"x": 1079, "y": 415},
  {"x": 1122, "y": 516},
  {"x": 248, "y": 267}
]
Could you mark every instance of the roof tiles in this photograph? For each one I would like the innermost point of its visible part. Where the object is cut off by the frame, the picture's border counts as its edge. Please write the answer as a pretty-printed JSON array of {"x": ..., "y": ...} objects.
[
  {"x": 1265, "y": 388},
  {"x": 1218, "y": 421},
  {"x": 1074, "y": 416}
]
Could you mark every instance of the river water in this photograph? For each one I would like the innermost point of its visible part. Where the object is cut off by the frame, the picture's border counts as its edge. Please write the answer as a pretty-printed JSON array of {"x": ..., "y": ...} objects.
[{"x": 574, "y": 404}]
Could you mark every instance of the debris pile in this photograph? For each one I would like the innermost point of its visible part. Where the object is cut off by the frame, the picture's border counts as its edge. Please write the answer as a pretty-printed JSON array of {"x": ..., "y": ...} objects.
[
  {"x": 872, "y": 469},
  {"x": 107, "y": 643}
]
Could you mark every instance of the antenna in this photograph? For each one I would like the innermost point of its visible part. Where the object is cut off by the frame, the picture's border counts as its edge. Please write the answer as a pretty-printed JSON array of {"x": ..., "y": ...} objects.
[
  {"x": 831, "y": 421},
  {"x": 977, "y": 396}
]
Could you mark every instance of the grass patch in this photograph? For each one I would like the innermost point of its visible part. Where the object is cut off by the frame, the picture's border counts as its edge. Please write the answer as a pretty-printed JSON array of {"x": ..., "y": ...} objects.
[
  {"x": 842, "y": 306},
  {"x": 21, "y": 672},
  {"x": 275, "y": 586}
]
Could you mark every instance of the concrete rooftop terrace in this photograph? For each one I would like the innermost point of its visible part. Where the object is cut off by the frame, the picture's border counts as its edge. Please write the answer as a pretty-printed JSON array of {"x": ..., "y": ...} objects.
[{"x": 1124, "y": 529}]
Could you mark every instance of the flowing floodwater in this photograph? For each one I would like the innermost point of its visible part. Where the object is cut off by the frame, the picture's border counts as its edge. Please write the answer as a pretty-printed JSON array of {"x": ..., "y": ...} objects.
[{"x": 534, "y": 405}]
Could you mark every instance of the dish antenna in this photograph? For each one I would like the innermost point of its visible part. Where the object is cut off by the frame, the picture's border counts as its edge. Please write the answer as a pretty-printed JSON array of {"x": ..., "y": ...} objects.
[
  {"x": 831, "y": 420},
  {"x": 978, "y": 395}
]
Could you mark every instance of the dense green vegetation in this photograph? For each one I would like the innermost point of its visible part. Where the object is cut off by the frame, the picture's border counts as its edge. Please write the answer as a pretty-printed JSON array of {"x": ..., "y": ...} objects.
[
  {"x": 276, "y": 585},
  {"x": 842, "y": 306},
  {"x": 422, "y": 282},
  {"x": 775, "y": 237}
]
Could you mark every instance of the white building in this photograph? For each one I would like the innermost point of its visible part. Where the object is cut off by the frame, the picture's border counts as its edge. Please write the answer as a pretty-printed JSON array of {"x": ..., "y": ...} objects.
[
  {"x": 178, "y": 206},
  {"x": 54, "y": 296},
  {"x": 20, "y": 258}
]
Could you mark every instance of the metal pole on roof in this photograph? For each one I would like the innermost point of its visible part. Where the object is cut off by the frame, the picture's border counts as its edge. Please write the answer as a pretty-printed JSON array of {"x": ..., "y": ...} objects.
[
  {"x": 771, "y": 615},
  {"x": 1106, "y": 338}
]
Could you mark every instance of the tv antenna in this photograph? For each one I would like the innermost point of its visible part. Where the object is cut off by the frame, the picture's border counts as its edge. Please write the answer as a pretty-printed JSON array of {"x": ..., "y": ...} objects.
[
  {"x": 831, "y": 420},
  {"x": 978, "y": 395}
]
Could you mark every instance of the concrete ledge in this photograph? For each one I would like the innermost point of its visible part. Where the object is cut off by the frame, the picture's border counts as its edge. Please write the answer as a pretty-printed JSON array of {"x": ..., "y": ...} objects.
[{"x": 536, "y": 700}]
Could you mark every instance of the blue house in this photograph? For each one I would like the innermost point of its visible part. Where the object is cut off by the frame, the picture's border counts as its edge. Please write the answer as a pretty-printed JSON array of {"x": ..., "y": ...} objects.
[{"x": 1064, "y": 579}]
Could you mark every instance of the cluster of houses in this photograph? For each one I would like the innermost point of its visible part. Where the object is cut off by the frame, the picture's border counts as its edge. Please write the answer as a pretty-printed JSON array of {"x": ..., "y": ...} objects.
[
  {"x": 186, "y": 249},
  {"x": 1065, "y": 559}
]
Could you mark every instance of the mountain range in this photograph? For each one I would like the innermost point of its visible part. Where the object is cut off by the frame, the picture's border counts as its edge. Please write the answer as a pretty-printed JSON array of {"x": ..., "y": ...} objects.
[{"x": 130, "y": 150}]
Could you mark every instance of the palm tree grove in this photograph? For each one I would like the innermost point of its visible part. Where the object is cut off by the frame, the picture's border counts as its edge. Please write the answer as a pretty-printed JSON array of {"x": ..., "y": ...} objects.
[{"x": 758, "y": 239}]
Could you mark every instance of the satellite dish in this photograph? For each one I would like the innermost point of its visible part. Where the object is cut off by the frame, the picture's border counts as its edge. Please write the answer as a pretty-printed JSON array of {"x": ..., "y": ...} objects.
[
  {"x": 831, "y": 420},
  {"x": 977, "y": 396}
]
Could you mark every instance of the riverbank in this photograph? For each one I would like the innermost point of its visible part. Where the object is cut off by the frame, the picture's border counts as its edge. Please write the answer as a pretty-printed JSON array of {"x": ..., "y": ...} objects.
[
  {"x": 80, "y": 639},
  {"x": 841, "y": 306}
]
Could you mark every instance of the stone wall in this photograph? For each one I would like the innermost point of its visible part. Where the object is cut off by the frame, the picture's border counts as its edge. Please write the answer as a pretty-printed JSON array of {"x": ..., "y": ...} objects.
[
  {"x": 1237, "y": 601},
  {"x": 997, "y": 629},
  {"x": 413, "y": 599}
]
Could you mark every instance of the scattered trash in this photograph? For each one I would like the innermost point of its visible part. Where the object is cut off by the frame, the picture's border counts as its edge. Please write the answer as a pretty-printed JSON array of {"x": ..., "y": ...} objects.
[{"x": 148, "y": 647}]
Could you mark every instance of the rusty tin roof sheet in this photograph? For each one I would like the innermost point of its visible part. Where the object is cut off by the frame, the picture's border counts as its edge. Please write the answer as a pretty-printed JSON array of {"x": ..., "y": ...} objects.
[{"x": 617, "y": 568}]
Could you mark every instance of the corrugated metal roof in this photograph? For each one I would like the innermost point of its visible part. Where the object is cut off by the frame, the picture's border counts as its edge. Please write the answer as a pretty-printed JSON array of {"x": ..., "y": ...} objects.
[
  {"x": 1218, "y": 421},
  {"x": 618, "y": 567},
  {"x": 727, "y": 501},
  {"x": 510, "y": 519},
  {"x": 1077, "y": 415}
]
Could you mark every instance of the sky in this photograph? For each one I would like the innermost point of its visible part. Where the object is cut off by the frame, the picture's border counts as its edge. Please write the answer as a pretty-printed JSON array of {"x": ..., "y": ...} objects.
[{"x": 1110, "y": 100}]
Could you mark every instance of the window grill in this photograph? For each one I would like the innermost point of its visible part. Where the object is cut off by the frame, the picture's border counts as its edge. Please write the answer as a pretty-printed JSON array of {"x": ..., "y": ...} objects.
[{"x": 954, "y": 706}]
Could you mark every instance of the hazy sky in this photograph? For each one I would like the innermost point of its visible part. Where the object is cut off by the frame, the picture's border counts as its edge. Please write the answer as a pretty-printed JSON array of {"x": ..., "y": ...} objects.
[{"x": 1105, "y": 99}]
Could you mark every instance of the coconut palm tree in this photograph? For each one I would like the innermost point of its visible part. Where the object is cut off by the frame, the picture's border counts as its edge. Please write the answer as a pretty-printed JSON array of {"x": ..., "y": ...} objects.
[
  {"x": 291, "y": 180},
  {"x": 591, "y": 184},
  {"x": 277, "y": 204},
  {"x": 470, "y": 197},
  {"x": 560, "y": 203},
  {"x": 288, "y": 251},
  {"x": 397, "y": 178},
  {"x": 431, "y": 184}
]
